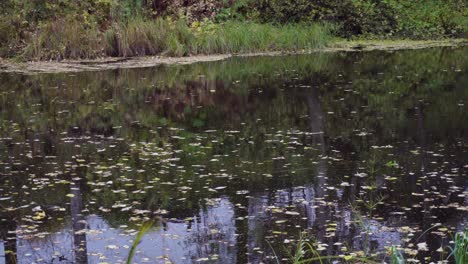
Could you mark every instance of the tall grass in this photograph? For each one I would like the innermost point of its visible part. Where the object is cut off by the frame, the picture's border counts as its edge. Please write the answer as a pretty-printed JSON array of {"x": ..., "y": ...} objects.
[
  {"x": 9, "y": 36},
  {"x": 71, "y": 40},
  {"x": 236, "y": 37},
  {"x": 61, "y": 39},
  {"x": 136, "y": 38}
]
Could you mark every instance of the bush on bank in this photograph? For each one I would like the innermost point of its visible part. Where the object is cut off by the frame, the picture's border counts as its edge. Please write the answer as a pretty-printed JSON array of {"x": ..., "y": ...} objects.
[{"x": 417, "y": 19}]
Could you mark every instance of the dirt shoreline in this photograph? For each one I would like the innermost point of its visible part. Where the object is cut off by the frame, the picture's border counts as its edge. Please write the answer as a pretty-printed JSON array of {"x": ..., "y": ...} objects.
[{"x": 151, "y": 61}]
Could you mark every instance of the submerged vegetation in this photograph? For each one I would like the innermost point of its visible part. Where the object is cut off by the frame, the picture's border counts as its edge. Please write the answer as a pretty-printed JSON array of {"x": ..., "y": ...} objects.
[{"x": 63, "y": 29}]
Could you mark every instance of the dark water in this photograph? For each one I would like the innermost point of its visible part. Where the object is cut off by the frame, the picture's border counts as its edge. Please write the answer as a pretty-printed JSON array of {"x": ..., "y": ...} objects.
[{"x": 230, "y": 156}]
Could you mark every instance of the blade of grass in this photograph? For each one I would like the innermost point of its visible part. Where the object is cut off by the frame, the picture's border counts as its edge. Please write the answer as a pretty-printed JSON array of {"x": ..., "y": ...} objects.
[
  {"x": 274, "y": 252},
  {"x": 143, "y": 230}
]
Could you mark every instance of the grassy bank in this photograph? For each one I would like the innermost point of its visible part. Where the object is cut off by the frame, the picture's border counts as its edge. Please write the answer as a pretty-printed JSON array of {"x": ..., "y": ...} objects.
[
  {"x": 63, "y": 39},
  {"x": 62, "y": 29}
]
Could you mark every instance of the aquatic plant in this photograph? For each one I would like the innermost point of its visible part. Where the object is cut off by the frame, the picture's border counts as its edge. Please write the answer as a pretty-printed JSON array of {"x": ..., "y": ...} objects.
[
  {"x": 307, "y": 252},
  {"x": 459, "y": 251},
  {"x": 143, "y": 230},
  {"x": 396, "y": 257},
  {"x": 364, "y": 221},
  {"x": 304, "y": 248}
]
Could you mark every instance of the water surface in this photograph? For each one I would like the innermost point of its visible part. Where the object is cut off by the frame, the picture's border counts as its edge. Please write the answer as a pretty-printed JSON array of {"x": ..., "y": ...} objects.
[{"x": 228, "y": 157}]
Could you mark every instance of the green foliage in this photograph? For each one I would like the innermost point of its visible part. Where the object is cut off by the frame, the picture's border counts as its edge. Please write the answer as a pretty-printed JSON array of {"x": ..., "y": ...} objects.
[
  {"x": 303, "y": 249},
  {"x": 8, "y": 37},
  {"x": 392, "y": 164},
  {"x": 90, "y": 28},
  {"x": 136, "y": 38},
  {"x": 352, "y": 16},
  {"x": 238, "y": 10},
  {"x": 307, "y": 252},
  {"x": 65, "y": 39},
  {"x": 414, "y": 19},
  {"x": 396, "y": 257},
  {"x": 238, "y": 37},
  {"x": 460, "y": 248},
  {"x": 429, "y": 19}
]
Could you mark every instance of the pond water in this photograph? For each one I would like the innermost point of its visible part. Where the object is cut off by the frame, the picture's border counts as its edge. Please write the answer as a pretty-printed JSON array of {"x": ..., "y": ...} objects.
[{"x": 231, "y": 159}]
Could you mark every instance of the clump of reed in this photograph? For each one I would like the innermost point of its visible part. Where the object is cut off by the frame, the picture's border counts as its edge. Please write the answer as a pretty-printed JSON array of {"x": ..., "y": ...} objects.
[
  {"x": 144, "y": 37},
  {"x": 237, "y": 37}
]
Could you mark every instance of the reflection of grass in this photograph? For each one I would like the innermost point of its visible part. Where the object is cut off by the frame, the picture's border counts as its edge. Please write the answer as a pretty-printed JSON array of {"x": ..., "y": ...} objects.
[
  {"x": 460, "y": 248},
  {"x": 143, "y": 230}
]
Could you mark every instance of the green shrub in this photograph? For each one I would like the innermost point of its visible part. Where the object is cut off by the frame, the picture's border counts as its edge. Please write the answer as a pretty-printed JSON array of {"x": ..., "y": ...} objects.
[
  {"x": 404, "y": 18},
  {"x": 430, "y": 19},
  {"x": 352, "y": 16}
]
